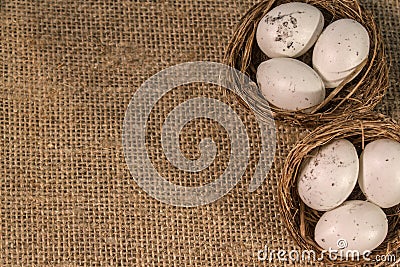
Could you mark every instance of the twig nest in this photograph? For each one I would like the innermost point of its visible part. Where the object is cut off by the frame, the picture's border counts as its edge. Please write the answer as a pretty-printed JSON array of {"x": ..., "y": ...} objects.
[
  {"x": 301, "y": 220},
  {"x": 356, "y": 88}
]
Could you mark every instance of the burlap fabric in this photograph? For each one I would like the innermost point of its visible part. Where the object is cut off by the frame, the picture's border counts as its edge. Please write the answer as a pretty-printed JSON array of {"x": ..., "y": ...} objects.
[{"x": 68, "y": 72}]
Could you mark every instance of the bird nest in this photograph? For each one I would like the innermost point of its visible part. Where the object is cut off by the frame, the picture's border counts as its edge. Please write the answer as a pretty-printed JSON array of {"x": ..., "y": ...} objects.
[
  {"x": 301, "y": 220},
  {"x": 359, "y": 95}
]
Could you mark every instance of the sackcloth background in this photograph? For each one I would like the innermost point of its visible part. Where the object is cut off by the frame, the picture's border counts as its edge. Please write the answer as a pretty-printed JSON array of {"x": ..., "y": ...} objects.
[{"x": 68, "y": 71}]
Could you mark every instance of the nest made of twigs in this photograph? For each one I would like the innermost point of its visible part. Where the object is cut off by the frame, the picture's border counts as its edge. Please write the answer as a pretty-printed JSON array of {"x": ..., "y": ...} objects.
[
  {"x": 360, "y": 95},
  {"x": 301, "y": 220}
]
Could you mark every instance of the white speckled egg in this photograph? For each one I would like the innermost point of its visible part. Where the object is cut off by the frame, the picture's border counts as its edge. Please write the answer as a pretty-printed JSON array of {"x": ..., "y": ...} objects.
[
  {"x": 289, "y": 30},
  {"x": 356, "y": 225},
  {"x": 379, "y": 176},
  {"x": 341, "y": 47},
  {"x": 329, "y": 175},
  {"x": 290, "y": 84}
]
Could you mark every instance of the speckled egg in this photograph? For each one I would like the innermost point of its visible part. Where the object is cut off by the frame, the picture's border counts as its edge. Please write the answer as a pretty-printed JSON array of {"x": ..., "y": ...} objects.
[
  {"x": 328, "y": 176},
  {"x": 341, "y": 48},
  {"x": 379, "y": 176},
  {"x": 289, "y": 30},
  {"x": 356, "y": 225},
  {"x": 290, "y": 84}
]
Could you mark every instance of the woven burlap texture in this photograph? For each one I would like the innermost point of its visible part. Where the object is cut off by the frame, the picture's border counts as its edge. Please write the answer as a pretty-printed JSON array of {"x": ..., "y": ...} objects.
[{"x": 68, "y": 71}]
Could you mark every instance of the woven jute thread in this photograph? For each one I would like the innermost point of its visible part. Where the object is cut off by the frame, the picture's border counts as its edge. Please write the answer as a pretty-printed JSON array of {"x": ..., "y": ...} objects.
[
  {"x": 300, "y": 219},
  {"x": 359, "y": 95},
  {"x": 67, "y": 72}
]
